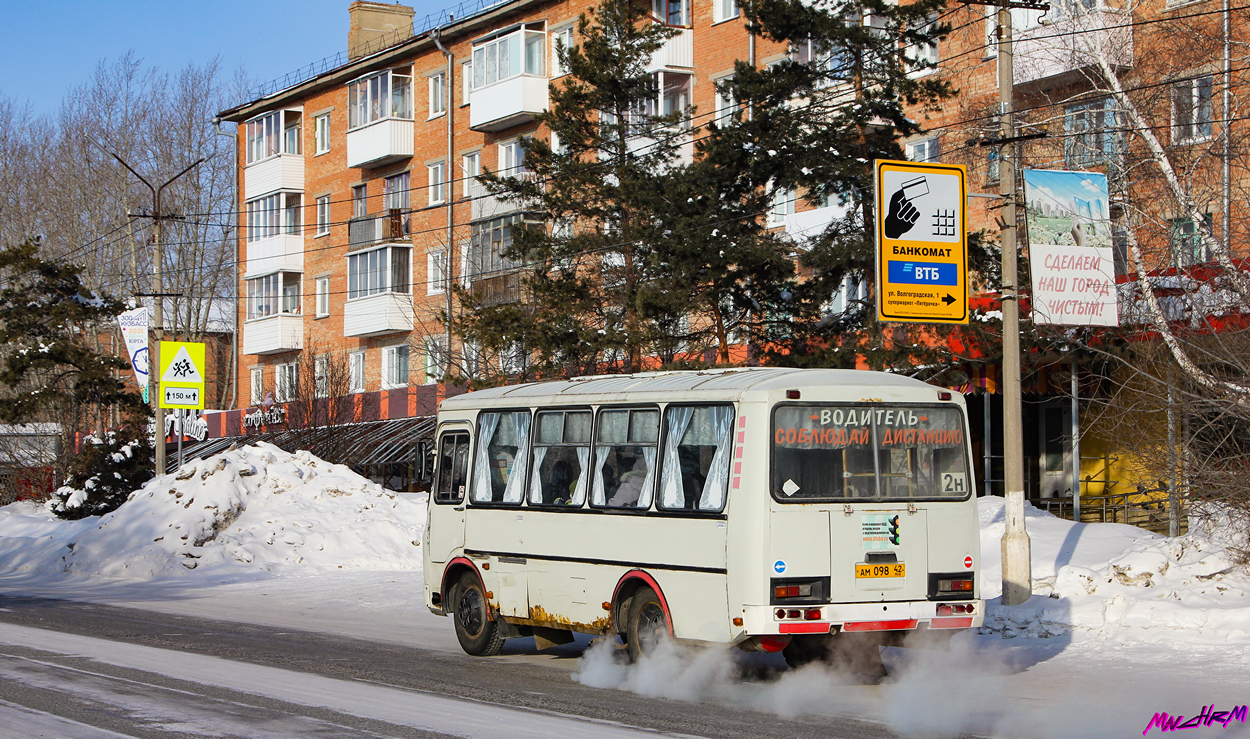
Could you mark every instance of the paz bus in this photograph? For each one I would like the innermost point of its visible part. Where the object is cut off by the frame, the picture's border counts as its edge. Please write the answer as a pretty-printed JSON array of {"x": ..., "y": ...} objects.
[{"x": 769, "y": 508}]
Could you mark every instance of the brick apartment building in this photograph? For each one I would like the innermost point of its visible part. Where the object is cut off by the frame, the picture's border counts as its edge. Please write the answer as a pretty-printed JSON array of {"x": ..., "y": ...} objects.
[{"x": 358, "y": 207}]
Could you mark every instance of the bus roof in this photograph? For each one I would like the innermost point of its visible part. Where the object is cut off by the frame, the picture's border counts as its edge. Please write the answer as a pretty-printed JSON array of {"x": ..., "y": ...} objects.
[{"x": 714, "y": 383}]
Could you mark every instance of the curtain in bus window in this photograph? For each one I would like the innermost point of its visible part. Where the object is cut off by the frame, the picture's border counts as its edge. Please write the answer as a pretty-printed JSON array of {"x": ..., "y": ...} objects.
[
  {"x": 598, "y": 494},
  {"x": 536, "y": 479},
  {"x": 626, "y": 455},
  {"x": 721, "y": 420},
  {"x": 516, "y": 478},
  {"x": 481, "y": 465},
  {"x": 672, "y": 490},
  {"x": 583, "y": 460}
]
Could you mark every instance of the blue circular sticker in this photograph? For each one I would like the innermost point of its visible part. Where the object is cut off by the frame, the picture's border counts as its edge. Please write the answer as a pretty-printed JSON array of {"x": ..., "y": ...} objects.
[{"x": 779, "y": 566}]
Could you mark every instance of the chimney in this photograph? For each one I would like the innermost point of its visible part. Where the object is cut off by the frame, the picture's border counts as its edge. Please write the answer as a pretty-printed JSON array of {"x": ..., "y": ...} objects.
[{"x": 375, "y": 26}]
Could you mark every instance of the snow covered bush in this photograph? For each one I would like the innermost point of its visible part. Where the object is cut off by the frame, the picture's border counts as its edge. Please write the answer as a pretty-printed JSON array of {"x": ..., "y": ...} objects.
[{"x": 104, "y": 475}]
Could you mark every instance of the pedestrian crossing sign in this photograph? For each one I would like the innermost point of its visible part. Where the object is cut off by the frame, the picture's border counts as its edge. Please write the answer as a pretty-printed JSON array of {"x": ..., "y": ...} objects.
[{"x": 182, "y": 374}]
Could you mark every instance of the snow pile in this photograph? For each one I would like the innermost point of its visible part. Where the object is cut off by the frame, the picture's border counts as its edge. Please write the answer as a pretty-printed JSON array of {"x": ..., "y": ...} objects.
[
  {"x": 252, "y": 509},
  {"x": 1119, "y": 581}
]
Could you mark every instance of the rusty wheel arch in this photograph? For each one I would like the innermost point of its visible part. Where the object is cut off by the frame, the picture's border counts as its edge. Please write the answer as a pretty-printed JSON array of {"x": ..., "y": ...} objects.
[{"x": 629, "y": 584}]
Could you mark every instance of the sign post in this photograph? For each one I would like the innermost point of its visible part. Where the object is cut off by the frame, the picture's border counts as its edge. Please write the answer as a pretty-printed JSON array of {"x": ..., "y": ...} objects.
[
  {"x": 181, "y": 381},
  {"x": 922, "y": 242}
]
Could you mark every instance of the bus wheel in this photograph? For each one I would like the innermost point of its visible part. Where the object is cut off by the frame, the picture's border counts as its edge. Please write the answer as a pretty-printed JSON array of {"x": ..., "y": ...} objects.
[
  {"x": 647, "y": 623},
  {"x": 478, "y": 635}
]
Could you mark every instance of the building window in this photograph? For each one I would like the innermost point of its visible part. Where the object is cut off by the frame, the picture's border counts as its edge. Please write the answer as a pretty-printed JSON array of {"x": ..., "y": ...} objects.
[
  {"x": 438, "y": 94},
  {"x": 472, "y": 352},
  {"x": 360, "y": 201},
  {"x": 782, "y": 205},
  {"x": 438, "y": 183},
  {"x": 292, "y": 217},
  {"x": 466, "y": 82},
  {"x": 924, "y": 150},
  {"x": 488, "y": 243},
  {"x": 321, "y": 376},
  {"x": 520, "y": 52},
  {"x": 512, "y": 358},
  {"x": 273, "y": 134},
  {"x": 1189, "y": 245},
  {"x": 378, "y": 271},
  {"x": 273, "y": 294},
  {"x": 672, "y": 12},
  {"x": 258, "y": 385},
  {"x": 323, "y": 215},
  {"x": 435, "y": 359},
  {"x": 923, "y": 58},
  {"x": 726, "y": 105},
  {"x": 321, "y": 128},
  {"x": 724, "y": 10},
  {"x": 511, "y": 159},
  {"x": 1192, "y": 112},
  {"x": 323, "y": 297},
  {"x": 395, "y": 367},
  {"x": 280, "y": 213},
  {"x": 396, "y": 192},
  {"x": 1095, "y": 134},
  {"x": 471, "y": 166},
  {"x": 287, "y": 385},
  {"x": 373, "y": 98},
  {"x": 436, "y": 274},
  {"x": 356, "y": 371},
  {"x": 561, "y": 38}
]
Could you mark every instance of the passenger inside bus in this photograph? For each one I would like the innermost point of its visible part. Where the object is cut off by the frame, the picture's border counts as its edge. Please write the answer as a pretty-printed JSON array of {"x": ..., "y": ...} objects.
[
  {"x": 630, "y": 488},
  {"x": 560, "y": 484}
]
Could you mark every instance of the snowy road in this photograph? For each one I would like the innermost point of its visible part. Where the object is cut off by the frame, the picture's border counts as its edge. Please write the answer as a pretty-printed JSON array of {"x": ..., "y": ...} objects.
[{"x": 97, "y": 671}]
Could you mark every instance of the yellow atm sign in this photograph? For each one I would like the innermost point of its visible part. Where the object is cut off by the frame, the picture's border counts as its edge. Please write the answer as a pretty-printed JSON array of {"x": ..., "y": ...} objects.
[{"x": 922, "y": 242}]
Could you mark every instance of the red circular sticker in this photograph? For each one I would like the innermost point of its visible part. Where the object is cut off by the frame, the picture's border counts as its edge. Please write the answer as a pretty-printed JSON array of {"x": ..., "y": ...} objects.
[{"x": 968, "y": 562}]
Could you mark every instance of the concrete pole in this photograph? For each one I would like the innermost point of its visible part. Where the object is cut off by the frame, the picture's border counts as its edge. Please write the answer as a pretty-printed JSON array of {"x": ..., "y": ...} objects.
[
  {"x": 1076, "y": 445},
  {"x": 1017, "y": 565}
]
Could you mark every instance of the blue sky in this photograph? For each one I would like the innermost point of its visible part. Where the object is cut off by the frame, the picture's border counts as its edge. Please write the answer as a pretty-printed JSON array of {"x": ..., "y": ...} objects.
[{"x": 50, "y": 46}]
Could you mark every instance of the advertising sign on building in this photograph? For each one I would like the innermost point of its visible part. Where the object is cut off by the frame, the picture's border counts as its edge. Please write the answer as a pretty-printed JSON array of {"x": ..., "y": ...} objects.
[
  {"x": 1070, "y": 254},
  {"x": 134, "y": 324},
  {"x": 922, "y": 244}
]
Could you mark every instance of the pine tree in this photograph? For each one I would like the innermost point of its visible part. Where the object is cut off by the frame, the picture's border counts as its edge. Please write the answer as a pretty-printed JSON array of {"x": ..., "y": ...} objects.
[{"x": 51, "y": 373}]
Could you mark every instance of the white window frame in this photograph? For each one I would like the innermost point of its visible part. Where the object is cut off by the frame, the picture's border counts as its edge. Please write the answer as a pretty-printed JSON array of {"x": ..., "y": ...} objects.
[
  {"x": 929, "y": 54},
  {"x": 725, "y": 10},
  {"x": 435, "y": 359},
  {"x": 356, "y": 372},
  {"x": 466, "y": 81},
  {"x": 1193, "y": 117},
  {"x": 397, "y": 192},
  {"x": 471, "y": 352},
  {"x": 370, "y": 100},
  {"x": 321, "y": 376},
  {"x": 323, "y": 297},
  {"x": 391, "y": 369},
  {"x": 274, "y": 215},
  {"x": 662, "y": 11},
  {"x": 781, "y": 204},
  {"x": 277, "y": 293},
  {"x": 321, "y": 127},
  {"x": 924, "y": 150},
  {"x": 436, "y": 276},
  {"x": 726, "y": 105},
  {"x": 323, "y": 215},
  {"x": 258, "y": 385},
  {"x": 561, "y": 35},
  {"x": 266, "y": 136},
  {"x": 286, "y": 382},
  {"x": 437, "y": 102},
  {"x": 436, "y": 174},
  {"x": 511, "y": 161},
  {"x": 489, "y": 54},
  {"x": 380, "y": 270},
  {"x": 471, "y": 167}
]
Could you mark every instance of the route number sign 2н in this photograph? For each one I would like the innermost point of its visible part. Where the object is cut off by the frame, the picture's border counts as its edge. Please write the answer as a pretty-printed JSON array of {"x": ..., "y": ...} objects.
[{"x": 922, "y": 244}]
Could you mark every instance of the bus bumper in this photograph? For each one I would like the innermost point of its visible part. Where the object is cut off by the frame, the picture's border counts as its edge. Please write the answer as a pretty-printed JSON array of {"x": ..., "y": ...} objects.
[{"x": 858, "y": 617}]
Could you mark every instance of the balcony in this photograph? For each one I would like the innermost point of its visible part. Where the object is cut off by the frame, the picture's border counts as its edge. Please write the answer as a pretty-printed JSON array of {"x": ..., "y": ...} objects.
[
  {"x": 281, "y": 172},
  {"x": 380, "y": 142},
  {"x": 505, "y": 288},
  {"x": 274, "y": 334},
  {"x": 284, "y": 252},
  {"x": 676, "y": 53},
  {"x": 507, "y": 103},
  {"x": 391, "y": 225},
  {"x": 1071, "y": 43},
  {"x": 378, "y": 314}
]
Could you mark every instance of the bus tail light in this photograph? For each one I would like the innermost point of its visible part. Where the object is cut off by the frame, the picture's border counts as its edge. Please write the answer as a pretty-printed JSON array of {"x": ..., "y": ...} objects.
[
  {"x": 951, "y": 609},
  {"x": 793, "y": 394},
  {"x": 943, "y": 395},
  {"x": 955, "y": 586},
  {"x": 792, "y": 591},
  {"x": 811, "y": 614}
]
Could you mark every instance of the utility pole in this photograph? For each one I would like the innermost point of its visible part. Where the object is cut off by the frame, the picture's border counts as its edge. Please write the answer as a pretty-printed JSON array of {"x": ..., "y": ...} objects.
[
  {"x": 158, "y": 293},
  {"x": 1017, "y": 559}
]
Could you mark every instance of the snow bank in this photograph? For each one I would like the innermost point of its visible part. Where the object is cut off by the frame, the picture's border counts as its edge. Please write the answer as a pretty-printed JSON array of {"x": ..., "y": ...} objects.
[
  {"x": 1118, "y": 581},
  {"x": 256, "y": 508}
]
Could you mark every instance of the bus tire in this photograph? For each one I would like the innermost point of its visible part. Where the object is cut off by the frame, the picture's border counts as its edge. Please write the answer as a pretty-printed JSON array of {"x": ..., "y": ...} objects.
[
  {"x": 477, "y": 633},
  {"x": 647, "y": 623}
]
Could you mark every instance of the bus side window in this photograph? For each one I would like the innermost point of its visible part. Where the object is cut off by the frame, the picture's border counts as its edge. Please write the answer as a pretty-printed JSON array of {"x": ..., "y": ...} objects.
[
  {"x": 625, "y": 457},
  {"x": 499, "y": 465},
  {"x": 453, "y": 455},
  {"x": 695, "y": 468}
]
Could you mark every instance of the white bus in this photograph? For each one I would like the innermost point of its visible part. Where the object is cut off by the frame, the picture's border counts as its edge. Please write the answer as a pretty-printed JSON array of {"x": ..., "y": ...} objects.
[{"x": 772, "y": 509}]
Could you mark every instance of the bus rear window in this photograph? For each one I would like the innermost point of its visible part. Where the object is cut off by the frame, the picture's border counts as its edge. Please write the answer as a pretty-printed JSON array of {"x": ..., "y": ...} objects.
[{"x": 888, "y": 452}]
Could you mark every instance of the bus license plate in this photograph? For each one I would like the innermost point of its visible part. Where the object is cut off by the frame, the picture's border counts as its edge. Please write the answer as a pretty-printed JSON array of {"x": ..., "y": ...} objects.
[{"x": 894, "y": 569}]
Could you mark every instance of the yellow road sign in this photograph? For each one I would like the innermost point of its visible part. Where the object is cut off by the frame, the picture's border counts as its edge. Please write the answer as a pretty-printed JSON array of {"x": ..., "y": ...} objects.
[
  {"x": 181, "y": 375},
  {"x": 922, "y": 242}
]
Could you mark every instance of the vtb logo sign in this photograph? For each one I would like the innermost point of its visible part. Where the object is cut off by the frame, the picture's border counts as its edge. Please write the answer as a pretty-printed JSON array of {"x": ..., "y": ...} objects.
[{"x": 892, "y": 531}]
